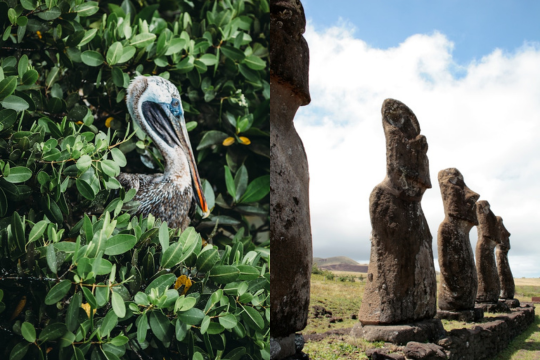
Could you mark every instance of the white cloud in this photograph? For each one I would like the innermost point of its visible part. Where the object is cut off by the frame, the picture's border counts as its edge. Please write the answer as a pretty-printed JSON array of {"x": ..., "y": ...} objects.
[{"x": 485, "y": 122}]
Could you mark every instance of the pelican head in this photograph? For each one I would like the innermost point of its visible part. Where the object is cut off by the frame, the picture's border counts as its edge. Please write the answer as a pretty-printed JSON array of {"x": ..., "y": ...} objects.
[{"x": 154, "y": 104}]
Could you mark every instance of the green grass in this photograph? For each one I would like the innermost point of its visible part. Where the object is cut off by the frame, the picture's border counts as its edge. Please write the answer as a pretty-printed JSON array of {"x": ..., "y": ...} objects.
[{"x": 527, "y": 345}]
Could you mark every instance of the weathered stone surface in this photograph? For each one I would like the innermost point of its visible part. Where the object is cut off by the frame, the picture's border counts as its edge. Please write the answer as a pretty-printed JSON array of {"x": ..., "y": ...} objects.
[
  {"x": 486, "y": 267},
  {"x": 506, "y": 279},
  {"x": 383, "y": 354},
  {"x": 289, "y": 52},
  {"x": 427, "y": 330},
  {"x": 282, "y": 347},
  {"x": 416, "y": 350},
  {"x": 289, "y": 178},
  {"x": 486, "y": 340},
  {"x": 512, "y": 303},
  {"x": 461, "y": 315},
  {"x": 498, "y": 307},
  {"x": 459, "y": 282},
  {"x": 401, "y": 285}
]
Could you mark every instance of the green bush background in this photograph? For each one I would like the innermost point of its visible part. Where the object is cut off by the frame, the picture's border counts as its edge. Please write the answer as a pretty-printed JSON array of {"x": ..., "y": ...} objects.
[{"x": 67, "y": 236}]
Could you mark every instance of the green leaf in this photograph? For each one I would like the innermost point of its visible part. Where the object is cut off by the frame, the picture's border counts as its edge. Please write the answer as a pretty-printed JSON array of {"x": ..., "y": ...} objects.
[
  {"x": 29, "y": 4},
  {"x": 23, "y": 61},
  {"x": 252, "y": 317},
  {"x": 72, "y": 314},
  {"x": 3, "y": 203},
  {"x": 114, "y": 54},
  {"x": 184, "y": 303},
  {"x": 175, "y": 46},
  {"x": 12, "y": 16},
  {"x": 92, "y": 58},
  {"x": 118, "y": 305},
  {"x": 160, "y": 325},
  {"x": 57, "y": 292},
  {"x": 127, "y": 54},
  {"x": 120, "y": 244},
  {"x": 52, "y": 76},
  {"x": 198, "y": 356},
  {"x": 233, "y": 53},
  {"x": 28, "y": 332},
  {"x": 255, "y": 63},
  {"x": 88, "y": 36},
  {"x": 66, "y": 339},
  {"x": 85, "y": 189},
  {"x": 212, "y": 137},
  {"x": 17, "y": 228},
  {"x": 53, "y": 332},
  {"x": 229, "y": 181},
  {"x": 87, "y": 8},
  {"x": 207, "y": 259},
  {"x": 186, "y": 65},
  {"x": 228, "y": 321},
  {"x": 110, "y": 168},
  {"x": 120, "y": 340},
  {"x": 192, "y": 243},
  {"x": 161, "y": 283},
  {"x": 37, "y": 231},
  {"x": 15, "y": 103},
  {"x": 164, "y": 237},
  {"x": 248, "y": 272},
  {"x": 171, "y": 256},
  {"x": 90, "y": 298},
  {"x": 209, "y": 59},
  {"x": 143, "y": 40},
  {"x": 240, "y": 182},
  {"x": 84, "y": 163},
  {"x": 142, "y": 327},
  {"x": 19, "y": 351},
  {"x": 204, "y": 324},
  {"x": 109, "y": 322},
  {"x": 19, "y": 174},
  {"x": 30, "y": 77},
  {"x": 223, "y": 274},
  {"x": 193, "y": 316},
  {"x": 119, "y": 157},
  {"x": 256, "y": 190}
]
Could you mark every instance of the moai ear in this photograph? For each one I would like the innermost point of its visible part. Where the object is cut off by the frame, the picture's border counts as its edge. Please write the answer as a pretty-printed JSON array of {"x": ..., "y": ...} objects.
[{"x": 397, "y": 114}]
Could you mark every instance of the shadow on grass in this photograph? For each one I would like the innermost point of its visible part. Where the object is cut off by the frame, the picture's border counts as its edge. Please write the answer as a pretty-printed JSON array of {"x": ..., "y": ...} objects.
[{"x": 526, "y": 346}]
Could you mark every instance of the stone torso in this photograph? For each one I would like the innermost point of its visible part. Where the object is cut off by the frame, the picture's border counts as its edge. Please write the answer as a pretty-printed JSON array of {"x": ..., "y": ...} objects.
[
  {"x": 160, "y": 196},
  {"x": 401, "y": 285},
  {"x": 505, "y": 274},
  {"x": 488, "y": 278},
  {"x": 459, "y": 282}
]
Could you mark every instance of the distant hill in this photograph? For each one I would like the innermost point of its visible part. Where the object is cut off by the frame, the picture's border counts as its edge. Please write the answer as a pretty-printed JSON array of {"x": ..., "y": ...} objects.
[{"x": 339, "y": 263}]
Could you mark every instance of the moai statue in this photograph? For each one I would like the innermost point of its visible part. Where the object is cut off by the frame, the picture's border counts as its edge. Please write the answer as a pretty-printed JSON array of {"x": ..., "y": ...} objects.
[
  {"x": 489, "y": 236},
  {"x": 459, "y": 283},
  {"x": 401, "y": 286},
  {"x": 506, "y": 278},
  {"x": 290, "y": 225}
]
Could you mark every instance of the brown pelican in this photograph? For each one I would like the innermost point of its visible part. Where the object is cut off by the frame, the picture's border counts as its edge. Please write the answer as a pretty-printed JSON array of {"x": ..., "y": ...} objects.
[{"x": 154, "y": 104}]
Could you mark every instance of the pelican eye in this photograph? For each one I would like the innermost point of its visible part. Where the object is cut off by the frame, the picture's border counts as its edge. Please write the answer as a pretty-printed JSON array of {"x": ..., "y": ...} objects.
[{"x": 176, "y": 108}]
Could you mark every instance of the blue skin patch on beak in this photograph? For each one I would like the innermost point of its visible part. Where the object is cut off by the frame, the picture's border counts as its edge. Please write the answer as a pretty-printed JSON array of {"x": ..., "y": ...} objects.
[{"x": 176, "y": 107}]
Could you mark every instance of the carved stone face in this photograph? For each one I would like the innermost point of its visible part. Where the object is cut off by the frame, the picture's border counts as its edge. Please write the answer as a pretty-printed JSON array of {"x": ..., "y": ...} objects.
[
  {"x": 487, "y": 222},
  {"x": 407, "y": 164},
  {"x": 289, "y": 52},
  {"x": 505, "y": 235},
  {"x": 459, "y": 201}
]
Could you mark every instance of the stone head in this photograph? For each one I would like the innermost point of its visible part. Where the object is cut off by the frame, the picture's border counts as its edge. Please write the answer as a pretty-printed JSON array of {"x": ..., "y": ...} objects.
[
  {"x": 407, "y": 164},
  {"x": 289, "y": 52},
  {"x": 459, "y": 201},
  {"x": 487, "y": 222},
  {"x": 505, "y": 235}
]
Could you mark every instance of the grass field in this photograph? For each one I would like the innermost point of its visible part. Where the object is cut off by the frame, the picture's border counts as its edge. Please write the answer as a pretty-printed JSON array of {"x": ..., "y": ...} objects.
[{"x": 343, "y": 299}]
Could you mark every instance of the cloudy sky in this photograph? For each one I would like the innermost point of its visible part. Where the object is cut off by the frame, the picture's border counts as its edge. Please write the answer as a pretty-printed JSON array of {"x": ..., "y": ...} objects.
[{"x": 470, "y": 73}]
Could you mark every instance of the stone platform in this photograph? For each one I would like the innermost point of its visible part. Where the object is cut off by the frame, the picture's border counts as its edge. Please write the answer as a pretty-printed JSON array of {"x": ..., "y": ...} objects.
[
  {"x": 512, "y": 303},
  {"x": 428, "y": 330},
  {"x": 465, "y": 315},
  {"x": 498, "y": 307}
]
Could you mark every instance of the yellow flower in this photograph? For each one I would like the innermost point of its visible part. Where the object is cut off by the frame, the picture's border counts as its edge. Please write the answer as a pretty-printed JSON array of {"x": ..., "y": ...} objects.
[
  {"x": 19, "y": 308},
  {"x": 183, "y": 280},
  {"x": 87, "y": 308},
  {"x": 39, "y": 34},
  {"x": 244, "y": 140},
  {"x": 228, "y": 141},
  {"x": 108, "y": 121},
  {"x": 79, "y": 123}
]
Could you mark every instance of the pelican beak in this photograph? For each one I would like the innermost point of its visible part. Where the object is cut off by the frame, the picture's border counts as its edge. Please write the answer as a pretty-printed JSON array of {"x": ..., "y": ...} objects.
[
  {"x": 179, "y": 125},
  {"x": 172, "y": 129}
]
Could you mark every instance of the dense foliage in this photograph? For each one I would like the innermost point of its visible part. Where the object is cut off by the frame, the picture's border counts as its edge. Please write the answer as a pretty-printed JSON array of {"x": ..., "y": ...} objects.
[{"x": 80, "y": 276}]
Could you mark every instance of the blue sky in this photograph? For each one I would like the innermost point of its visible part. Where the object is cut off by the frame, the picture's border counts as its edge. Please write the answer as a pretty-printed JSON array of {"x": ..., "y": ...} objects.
[
  {"x": 476, "y": 27},
  {"x": 470, "y": 71}
]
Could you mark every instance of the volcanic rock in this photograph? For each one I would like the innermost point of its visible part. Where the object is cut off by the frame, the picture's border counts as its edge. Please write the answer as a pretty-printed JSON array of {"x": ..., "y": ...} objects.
[
  {"x": 488, "y": 237},
  {"x": 506, "y": 279}
]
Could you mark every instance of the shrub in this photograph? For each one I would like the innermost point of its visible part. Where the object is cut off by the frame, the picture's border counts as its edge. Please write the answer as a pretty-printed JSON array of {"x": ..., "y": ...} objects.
[
  {"x": 316, "y": 271},
  {"x": 329, "y": 275},
  {"x": 82, "y": 277}
]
